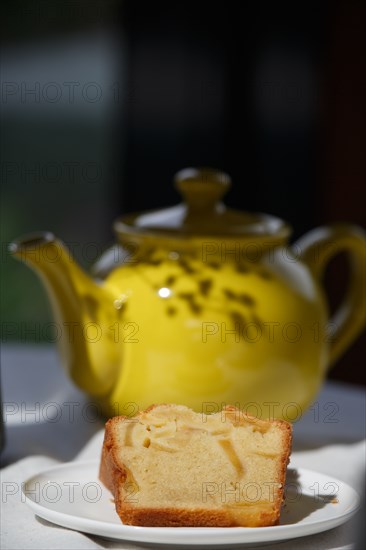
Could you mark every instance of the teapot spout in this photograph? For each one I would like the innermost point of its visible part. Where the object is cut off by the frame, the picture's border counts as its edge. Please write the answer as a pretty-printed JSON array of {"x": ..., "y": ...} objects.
[{"x": 81, "y": 308}]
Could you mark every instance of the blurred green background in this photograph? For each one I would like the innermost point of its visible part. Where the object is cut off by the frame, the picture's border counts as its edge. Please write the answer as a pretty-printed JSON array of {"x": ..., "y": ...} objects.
[
  {"x": 58, "y": 146},
  {"x": 65, "y": 165}
]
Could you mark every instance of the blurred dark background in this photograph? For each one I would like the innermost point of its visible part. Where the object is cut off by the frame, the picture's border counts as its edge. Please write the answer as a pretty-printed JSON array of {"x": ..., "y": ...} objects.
[{"x": 103, "y": 101}]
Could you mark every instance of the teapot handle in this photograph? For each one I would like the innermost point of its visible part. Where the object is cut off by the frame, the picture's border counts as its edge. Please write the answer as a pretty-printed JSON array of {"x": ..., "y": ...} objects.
[{"x": 316, "y": 249}]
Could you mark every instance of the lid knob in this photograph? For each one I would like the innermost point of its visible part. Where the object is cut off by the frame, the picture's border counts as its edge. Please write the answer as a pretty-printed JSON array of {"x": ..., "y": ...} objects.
[
  {"x": 202, "y": 188},
  {"x": 202, "y": 214}
]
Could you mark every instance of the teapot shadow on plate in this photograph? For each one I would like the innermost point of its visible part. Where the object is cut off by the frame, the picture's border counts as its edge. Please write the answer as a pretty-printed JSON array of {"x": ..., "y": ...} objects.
[{"x": 299, "y": 505}]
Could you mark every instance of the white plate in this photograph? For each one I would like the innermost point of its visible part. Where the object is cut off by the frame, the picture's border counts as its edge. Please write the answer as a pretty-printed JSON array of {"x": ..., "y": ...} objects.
[{"x": 72, "y": 496}]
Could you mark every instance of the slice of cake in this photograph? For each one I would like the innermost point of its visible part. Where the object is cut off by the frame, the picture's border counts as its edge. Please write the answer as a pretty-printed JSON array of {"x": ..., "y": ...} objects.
[{"x": 170, "y": 466}]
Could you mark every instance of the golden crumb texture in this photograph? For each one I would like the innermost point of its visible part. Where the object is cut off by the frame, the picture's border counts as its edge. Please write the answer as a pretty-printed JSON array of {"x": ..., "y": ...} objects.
[{"x": 172, "y": 467}]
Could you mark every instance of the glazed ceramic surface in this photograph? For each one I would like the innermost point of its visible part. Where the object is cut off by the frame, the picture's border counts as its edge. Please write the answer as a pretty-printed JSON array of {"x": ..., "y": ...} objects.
[{"x": 202, "y": 305}]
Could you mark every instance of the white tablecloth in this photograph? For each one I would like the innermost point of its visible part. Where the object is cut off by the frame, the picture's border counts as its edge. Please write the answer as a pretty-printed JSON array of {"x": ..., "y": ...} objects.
[{"x": 329, "y": 438}]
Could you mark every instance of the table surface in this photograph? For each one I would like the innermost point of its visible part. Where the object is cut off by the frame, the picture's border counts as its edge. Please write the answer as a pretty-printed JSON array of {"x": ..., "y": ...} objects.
[{"x": 42, "y": 410}]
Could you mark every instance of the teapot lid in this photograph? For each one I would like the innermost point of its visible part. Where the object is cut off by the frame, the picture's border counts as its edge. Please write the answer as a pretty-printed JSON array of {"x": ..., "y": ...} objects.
[{"x": 202, "y": 213}]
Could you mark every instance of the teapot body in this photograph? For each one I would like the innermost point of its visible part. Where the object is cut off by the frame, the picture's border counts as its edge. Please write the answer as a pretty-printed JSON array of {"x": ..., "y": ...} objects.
[
  {"x": 222, "y": 323},
  {"x": 203, "y": 305}
]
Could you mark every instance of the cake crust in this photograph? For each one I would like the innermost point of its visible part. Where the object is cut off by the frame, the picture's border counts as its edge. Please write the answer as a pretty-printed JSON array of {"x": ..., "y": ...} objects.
[{"x": 115, "y": 475}]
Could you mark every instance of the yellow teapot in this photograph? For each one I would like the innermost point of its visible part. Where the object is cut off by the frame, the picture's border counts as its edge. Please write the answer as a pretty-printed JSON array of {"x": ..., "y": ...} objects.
[{"x": 202, "y": 305}]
